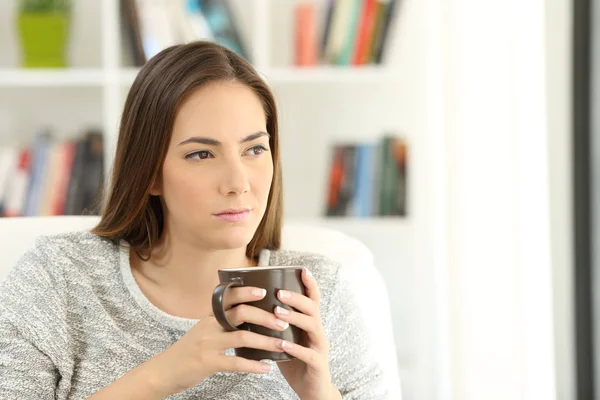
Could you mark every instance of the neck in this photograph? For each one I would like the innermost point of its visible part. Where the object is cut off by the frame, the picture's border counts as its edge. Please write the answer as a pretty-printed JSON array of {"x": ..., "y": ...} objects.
[{"x": 185, "y": 267}]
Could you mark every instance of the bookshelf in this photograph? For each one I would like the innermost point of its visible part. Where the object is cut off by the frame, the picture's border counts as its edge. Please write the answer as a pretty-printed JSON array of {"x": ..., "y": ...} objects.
[
  {"x": 318, "y": 106},
  {"x": 15, "y": 77}
]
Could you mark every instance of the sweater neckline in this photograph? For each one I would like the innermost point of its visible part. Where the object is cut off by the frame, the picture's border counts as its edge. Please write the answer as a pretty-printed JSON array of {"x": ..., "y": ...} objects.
[{"x": 166, "y": 319}]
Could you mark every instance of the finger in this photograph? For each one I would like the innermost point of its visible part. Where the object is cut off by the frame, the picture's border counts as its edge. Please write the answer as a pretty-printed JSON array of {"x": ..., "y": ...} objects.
[
  {"x": 248, "y": 339},
  {"x": 240, "y": 364},
  {"x": 239, "y": 295},
  {"x": 310, "y": 357},
  {"x": 246, "y": 313},
  {"x": 298, "y": 301},
  {"x": 312, "y": 289},
  {"x": 311, "y": 325},
  {"x": 305, "y": 322}
]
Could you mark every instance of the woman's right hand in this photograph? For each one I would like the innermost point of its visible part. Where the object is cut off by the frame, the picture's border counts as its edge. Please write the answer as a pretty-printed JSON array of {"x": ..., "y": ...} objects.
[{"x": 201, "y": 351}]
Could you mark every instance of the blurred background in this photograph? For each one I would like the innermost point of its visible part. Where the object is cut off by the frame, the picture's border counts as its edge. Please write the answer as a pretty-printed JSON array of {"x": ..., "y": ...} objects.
[{"x": 455, "y": 138}]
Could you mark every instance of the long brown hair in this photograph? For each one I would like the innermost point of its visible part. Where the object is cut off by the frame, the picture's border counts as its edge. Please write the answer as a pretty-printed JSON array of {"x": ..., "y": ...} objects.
[{"x": 161, "y": 86}]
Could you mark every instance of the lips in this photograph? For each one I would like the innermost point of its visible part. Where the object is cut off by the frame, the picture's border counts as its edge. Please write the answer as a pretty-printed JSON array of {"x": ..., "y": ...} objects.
[{"x": 234, "y": 215}]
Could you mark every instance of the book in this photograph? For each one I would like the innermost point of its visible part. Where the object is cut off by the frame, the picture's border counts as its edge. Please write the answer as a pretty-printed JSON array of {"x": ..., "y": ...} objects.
[
  {"x": 16, "y": 194},
  {"x": 93, "y": 172},
  {"x": 399, "y": 155},
  {"x": 193, "y": 23},
  {"x": 306, "y": 52},
  {"x": 8, "y": 164},
  {"x": 341, "y": 192},
  {"x": 50, "y": 181},
  {"x": 363, "y": 176},
  {"x": 39, "y": 165},
  {"x": 158, "y": 28},
  {"x": 393, "y": 191},
  {"x": 59, "y": 194},
  {"x": 366, "y": 29},
  {"x": 348, "y": 43},
  {"x": 86, "y": 181},
  {"x": 375, "y": 39},
  {"x": 132, "y": 34},
  {"x": 368, "y": 179},
  {"x": 45, "y": 179},
  {"x": 387, "y": 16},
  {"x": 336, "y": 176},
  {"x": 326, "y": 27},
  {"x": 222, "y": 23},
  {"x": 337, "y": 31}
]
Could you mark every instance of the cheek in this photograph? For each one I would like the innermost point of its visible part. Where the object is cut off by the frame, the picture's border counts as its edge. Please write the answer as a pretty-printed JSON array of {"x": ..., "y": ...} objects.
[
  {"x": 263, "y": 182},
  {"x": 182, "y": 186}
]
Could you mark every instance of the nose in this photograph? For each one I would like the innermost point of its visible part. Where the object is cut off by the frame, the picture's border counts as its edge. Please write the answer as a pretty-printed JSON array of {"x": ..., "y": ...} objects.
[{"x": 235, "y": 179}]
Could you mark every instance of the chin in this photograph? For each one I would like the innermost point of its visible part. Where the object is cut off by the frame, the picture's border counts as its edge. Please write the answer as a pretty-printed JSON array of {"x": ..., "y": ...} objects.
[{"x": 232, "y": 238}]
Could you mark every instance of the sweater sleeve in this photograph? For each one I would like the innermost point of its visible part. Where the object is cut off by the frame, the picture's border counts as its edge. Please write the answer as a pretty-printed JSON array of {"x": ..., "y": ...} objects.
[
  {"x": 32, "y": 327},
  {"x": 26, "y": 372},
  {"x": 355, "y": 371}
]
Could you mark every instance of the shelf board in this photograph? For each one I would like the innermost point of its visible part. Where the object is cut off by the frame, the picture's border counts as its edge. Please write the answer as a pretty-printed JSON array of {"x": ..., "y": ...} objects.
[
  {"x": 127, "y": 75},
  {"x": 19, "y": 77},
  {"x": 321, "y": 74},
  {"x": 330, "y": 74},
  {"x": 354, "y": 224}
]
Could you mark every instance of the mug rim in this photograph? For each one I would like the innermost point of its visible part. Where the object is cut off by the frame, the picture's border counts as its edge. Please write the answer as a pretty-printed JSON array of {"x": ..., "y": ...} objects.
[{"x": 265, "y": 268}]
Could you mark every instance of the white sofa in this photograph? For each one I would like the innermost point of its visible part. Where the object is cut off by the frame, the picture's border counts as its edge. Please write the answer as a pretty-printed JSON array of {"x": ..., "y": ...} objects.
[{"x": 17, "y": 235}]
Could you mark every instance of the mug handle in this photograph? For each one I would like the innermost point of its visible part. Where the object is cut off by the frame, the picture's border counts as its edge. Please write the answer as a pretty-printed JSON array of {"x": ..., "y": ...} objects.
[{"x": 217, "y": 303}]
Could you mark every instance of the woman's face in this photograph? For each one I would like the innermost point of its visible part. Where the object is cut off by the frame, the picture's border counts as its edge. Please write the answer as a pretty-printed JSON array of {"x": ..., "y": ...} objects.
[{"x": 218, "y": 170}]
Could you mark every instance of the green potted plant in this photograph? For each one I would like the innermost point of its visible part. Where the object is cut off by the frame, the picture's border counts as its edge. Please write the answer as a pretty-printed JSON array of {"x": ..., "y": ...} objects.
[{"x": 43, "y": 27}]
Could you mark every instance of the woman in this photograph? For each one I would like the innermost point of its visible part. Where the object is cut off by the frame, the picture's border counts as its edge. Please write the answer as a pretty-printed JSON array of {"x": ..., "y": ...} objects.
[{"x": 124, "y": 311}]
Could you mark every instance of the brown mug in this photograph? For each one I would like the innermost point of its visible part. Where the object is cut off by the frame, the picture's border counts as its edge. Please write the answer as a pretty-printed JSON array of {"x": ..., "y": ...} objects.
[{"x": 272, "y": 279}]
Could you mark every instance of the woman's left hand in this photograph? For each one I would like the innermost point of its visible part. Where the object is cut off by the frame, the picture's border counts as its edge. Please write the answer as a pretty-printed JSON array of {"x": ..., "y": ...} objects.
[{"x": 308, "y": 375}]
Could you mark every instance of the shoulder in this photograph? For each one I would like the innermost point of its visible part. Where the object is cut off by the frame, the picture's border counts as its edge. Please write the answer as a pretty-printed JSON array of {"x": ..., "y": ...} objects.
[
  {"x": 55, "y": 256},
  {"x": 71, "y": 247}
]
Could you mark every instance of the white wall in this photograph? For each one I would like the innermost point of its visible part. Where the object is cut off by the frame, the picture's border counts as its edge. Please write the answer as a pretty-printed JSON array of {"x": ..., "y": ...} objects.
[
  {"x": 558, "y": 83},
  {"x": 497, "y": 227}
]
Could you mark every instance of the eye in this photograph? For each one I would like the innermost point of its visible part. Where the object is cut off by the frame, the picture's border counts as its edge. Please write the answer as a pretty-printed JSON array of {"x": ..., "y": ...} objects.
[
  {"x": 199, "y": 155},
  {"x": 256, "y": 150}
]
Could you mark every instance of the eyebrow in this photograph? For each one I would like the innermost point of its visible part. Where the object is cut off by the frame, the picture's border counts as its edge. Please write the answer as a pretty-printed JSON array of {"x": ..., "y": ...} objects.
[{"x": 213, "y": 142}]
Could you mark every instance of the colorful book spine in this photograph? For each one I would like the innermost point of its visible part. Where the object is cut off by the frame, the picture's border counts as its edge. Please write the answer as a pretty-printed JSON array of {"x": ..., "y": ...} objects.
[
  {"x": 8, "y": 163},
  {"x": 16, "y": 194},
  {"x": 336, "y": 177},
  {"x": 399, "y": 155},
  {"x": 374, "y": 43},
  {"x": 364, "y": 180},
  {"x": 58, "y": 201},
  {"x": 330, "y": 7},
  {"x": 305, "y": 35},
  {"x": 41, "y": 149},
  {"x": 347, "y": 50},
  {"x": 366, "y": 29},
  {"x": 368, "y": 179},
  {"x": 337, "y": 32}
]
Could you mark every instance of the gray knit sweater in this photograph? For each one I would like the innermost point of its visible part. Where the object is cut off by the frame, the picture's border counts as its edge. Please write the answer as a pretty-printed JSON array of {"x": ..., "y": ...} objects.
[{"x": 73, "y": 320}]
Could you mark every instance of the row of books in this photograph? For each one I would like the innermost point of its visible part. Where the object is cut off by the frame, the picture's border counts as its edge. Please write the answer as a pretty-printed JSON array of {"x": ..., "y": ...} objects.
[
  {"x": 368, "y": 179},
  {"x": 152, "y": 25},
  {"x": 51, "y": 177},
  {"x": 355, "y": 32}
]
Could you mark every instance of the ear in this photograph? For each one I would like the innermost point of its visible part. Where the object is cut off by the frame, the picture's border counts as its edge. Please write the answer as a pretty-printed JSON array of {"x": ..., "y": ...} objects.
[{"x": 155, "y": 187}]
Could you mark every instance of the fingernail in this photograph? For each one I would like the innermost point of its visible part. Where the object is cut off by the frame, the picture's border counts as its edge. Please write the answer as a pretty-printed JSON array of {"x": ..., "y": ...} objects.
[
  {"x": 308, "y": 273},
  {"x": 281, "y": 310},
  {"x": 282, "y": 324},
  {"x": 284, "y": 345},
  {"x": 284, "y": 294},
  {"x": 259, "y": 292},
  {"x": 265, "y": 367}
]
